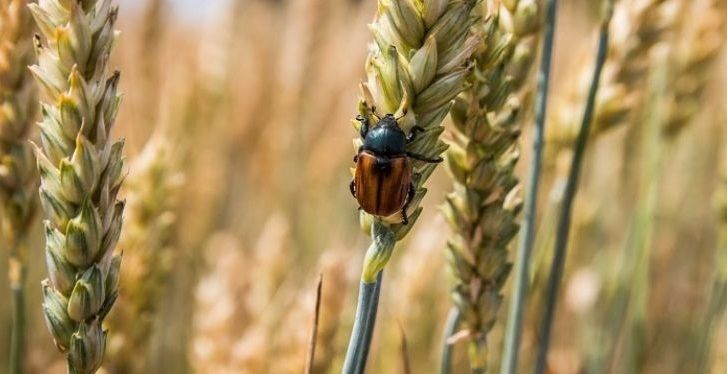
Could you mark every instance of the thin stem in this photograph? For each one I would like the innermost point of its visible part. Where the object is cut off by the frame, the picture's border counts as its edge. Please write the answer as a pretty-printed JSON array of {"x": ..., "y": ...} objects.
[
  {"x": 16, "y": 276},
  {"x": 640, "y": 244},
  {"x": 450, "y": 328},
  {"x": 527, "y": 231},
  {"x": 561, "y": 239},
  {"x": 705, "y": 335},
  {"x": 314, "y": 330},
  {"x": 363, "y": 326},
  {"x": 405, "y": 362},
  {"x": 17, "y": 338}
]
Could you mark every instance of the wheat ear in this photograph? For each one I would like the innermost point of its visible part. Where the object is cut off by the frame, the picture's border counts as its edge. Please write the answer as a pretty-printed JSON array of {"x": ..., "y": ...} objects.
[
  {"x": 81, "y": 173},
  {"x": 638, "y": 26},
  {"x": 152, "y": 190},
  {"x": 482, "y": 210},
  {"x": 693, "y": 59},
  {"x": 416, "y": 66},
  {"x": 18, "y": 107}
]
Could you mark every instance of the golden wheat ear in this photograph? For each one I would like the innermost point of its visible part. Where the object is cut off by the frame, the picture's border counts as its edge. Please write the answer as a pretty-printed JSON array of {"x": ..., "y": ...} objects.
[
  {"x": 18, "y": 177},
  {"x": 483, "y": 206}
]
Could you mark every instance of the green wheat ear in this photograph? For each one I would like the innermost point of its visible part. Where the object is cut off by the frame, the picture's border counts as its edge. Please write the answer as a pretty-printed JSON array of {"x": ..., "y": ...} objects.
[
  {"x": 418, "y": 63},
  {"x": 483, "y": 207},
  {"x": 81, "y": 173}
]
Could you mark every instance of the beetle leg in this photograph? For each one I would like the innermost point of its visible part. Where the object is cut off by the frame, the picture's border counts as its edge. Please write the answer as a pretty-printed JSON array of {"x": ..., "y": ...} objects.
[
  {"x": 419, "y": 157},
  {"x": 352, "y": 187},
  {"x": 355, "y": 157},
  {"x": 409, "y": 198},
  {"x": 413, "y": 133}
]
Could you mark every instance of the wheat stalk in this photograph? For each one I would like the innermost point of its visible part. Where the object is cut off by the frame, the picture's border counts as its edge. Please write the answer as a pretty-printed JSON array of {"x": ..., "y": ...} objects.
[
  {"x": 564, "y": 219},
  {"x": 638, "y": 26},
  {"x": 702, "y": 346},
  {"x": 689, "y": 73},
  {"x": 81, "y": 173},
  {"x": 513, "y": 328},
  {"x": 482, "y": 210},
  {"x": 416, "y": 66},
  {"x": 152, "y": 191},
  {"x": 18, "y": 107},
  {"x": 719, "y": 292}
]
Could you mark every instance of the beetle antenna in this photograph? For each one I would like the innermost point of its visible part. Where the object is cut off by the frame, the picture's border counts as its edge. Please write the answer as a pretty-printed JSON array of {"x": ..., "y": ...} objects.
[
  {"x": 403, "y": 114},
  {"x": 373, "y": 113}
]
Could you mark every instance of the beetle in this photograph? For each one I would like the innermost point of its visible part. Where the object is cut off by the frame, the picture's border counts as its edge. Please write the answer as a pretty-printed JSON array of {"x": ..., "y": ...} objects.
[{"x": 382, "y": 183}]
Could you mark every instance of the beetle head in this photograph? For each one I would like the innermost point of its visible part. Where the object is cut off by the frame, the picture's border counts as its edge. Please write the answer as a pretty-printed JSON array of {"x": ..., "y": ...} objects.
[{"x": 388, "y": 121}]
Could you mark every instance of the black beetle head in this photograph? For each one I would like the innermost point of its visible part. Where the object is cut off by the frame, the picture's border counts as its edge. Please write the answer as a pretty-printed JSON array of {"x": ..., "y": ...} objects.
[
  {"x": 386, "y": 138},
  {"x": 388, "y": 121}
]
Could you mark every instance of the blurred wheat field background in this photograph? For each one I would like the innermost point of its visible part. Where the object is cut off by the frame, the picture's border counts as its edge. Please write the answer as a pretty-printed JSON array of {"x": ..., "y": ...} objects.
[{"x": 238, "y": 116}]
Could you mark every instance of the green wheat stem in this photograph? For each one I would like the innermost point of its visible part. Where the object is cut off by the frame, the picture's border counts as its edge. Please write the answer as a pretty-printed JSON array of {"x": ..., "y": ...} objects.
[
  {"x": 571, "y": 187},
  {"x": 705, "y": 335},
  {"x": 527, "y": 230},
  {"x": 639, "y": 246},
  {"x": 718, "y": 296},
  {"x": 17, "y": 332},
  {"x": 450, "y": 327},
  {"x": 363, "y": 327},
  {"x": 377, "y": 256},
  {"x": 17, "y": 338}
]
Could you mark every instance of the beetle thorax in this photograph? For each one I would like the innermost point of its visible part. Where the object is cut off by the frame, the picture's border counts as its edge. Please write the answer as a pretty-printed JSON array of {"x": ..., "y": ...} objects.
[{"x": 386, "y": 138}]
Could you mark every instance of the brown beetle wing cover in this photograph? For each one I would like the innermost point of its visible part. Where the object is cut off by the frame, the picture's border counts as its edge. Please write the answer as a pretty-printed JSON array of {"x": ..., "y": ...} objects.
[{"x": 382, "y": 185}]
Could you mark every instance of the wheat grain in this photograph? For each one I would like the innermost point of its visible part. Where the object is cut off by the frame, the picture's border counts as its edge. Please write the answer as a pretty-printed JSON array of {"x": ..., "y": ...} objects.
[
  {"x": 250, "y": 300},
  {"x": 81, "y": 173},
  {"x": 482, "y": 209},
  {"x": 217, "y": 307}
]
